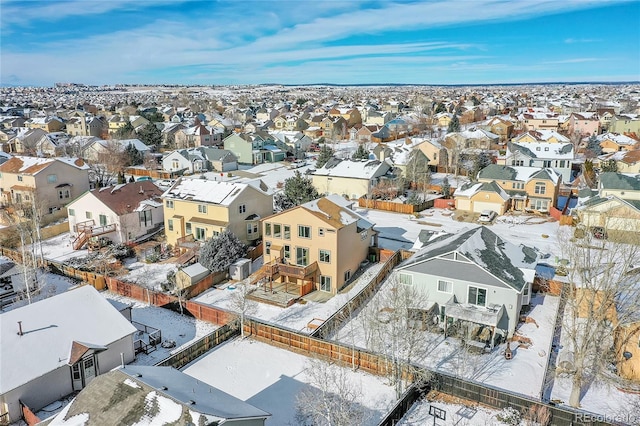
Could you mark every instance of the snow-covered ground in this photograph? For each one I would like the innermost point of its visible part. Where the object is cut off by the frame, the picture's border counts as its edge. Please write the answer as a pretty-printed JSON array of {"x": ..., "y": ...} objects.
[
  {"x": 455, "y": 415},
  {"x": 297, "y": 316},
  {"x": 523, "y": 374},
  {"x": 182, "y": 329},
  {"x": 50, "y": 285},
  {"x": 60, "y": 248},
  {"x": 270, "y": 379},
  {"x": 149, "y": 275}
]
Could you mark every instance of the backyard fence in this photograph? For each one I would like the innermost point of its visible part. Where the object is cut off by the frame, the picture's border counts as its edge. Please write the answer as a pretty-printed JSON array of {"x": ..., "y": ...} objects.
[
  {"x": 391, "y": 206},
  {"x": 199, "y": 347}
]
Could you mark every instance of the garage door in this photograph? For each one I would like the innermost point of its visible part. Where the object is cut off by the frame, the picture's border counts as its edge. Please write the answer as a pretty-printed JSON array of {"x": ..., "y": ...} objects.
[
  {"x": 463, "y": 204},
  {"x": 479, "y": 206}
]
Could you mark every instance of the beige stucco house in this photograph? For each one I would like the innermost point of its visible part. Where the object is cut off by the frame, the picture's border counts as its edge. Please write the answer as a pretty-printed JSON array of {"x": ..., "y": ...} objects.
[
  {"x": 204, "y": 208},
  {"x": 353, "y": 179},
  {"x": 318, "y": 245},
  {"x": 53, "y": 182},
  {"x": 480, "y": 196}
]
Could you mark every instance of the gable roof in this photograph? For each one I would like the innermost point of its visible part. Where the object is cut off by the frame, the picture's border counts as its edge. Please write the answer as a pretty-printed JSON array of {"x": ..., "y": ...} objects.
[
  {"x": 612, "y": 180},
  {"x": 121, "y": 395},
  {"x": 80, "y": 315},
  {"x": 208, "y": 191},
  {"x": 469, "y": 189},
  {"x": 335, "y": 211},
  {"x": 128, "y": 197},
  {"x": 353, "y": 169},
  {"x": 480, "y": 245},
  {"x": 33, "y": 165}
]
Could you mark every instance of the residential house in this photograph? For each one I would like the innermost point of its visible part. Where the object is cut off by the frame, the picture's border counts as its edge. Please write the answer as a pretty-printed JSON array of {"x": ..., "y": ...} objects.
[
  {"x": 81, "y": 124},
  {"x": 626, "y": 161},
  {"x": 102, "y": 151},
  {"x": 26, "y": 141},
  {"x": 529, "y": 188},
  {"x": 480, "y": 196},
  {"x": 625, "y": 123},
  {"x": 443, "y": 119},
  {"x": 372, "y": 117},
  {"x": 353, "y": 179},
  {"x": 48, "y": 124},
  {"x": 197, "y": 136},
  {"x": 334, "y": 128},
  {"x": 318, "y": 245},
  {"x": 117, "y": 122},
  {"x": 473, "y": 138},
  {"x": 540, "y": 121},
  {"x": 558, "y": 156},
  {"x": 203, "y": 208},
  {"x": 476, "y": 281},
  {"x": 351, "y": 115},
  {"x": 584, "y": 123},
  {"x": 168, "y": 132},
  {"x": 501, "y": 127},
  {"x": 611, "y": 217},
  {"x": 613, "y": 142},
  {"x": 434, "y": 151},
  {"x": 122, "y": 395},
  {"x": 196, "y": 160},
  {"x": 253, "y": 148},
  {"x": 58, "y": 345},
  {"x": 123, "y": 213},
  {"x": 51, "y": 182}
]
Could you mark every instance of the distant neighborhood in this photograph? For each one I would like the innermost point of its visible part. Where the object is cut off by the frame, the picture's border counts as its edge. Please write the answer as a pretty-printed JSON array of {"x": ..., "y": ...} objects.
[{"x": 447, "y": 242}]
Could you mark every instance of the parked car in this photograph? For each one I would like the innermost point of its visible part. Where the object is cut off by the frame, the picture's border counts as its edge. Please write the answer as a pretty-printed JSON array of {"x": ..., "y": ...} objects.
[
  {"x": 141, "y": 178},
  {"x": 297, "y": 163},
  {"x": 487, "y": 216}
]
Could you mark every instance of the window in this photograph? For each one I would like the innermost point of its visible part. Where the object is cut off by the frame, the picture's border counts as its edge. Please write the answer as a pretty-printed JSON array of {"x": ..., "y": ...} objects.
[
  {"x": 302, "y": 256},
  {"x": 175, "y": 164},
  {"x": 537, "y": 148},
  {"x": 445, "y": 286},
  {"x": 304, "y": 231},
  {"x": 277, "y": 230},
  {"x": 546, "y": 163},
  {"x": 170, "y": 224},
  {"x": 561, "y": 164},
  {"x": 242, "y": 208},
  {"x": 252, "y": 228},
  {"x": 546, "y": 148},
  {"x": 540, "y": 188},
  {"x": 88, "y": 215},
  {"x": 287, "y": 251},
  {"x": 103, "y": 219},
  {"x": 19, "y": 178},
  {"x": 64, "y": 193},
  {"x": 405, "y": 279},
  {"x": 145, "y": 218},
  {"x": 169, "y": 204},
  {"x": 526, "y": 290},
  {"x": 52, "y": 178},
  {"x": 321, "y": 232},
  {"x": 347, "y": 276},
  {"x": 325, "y": 283},
  {"x": 477, "y": 296},
  {"x": 71, "y": 212},
  {"x": 202, "y": 208},
  {"x": 518, "y": 185},
  {"x": 76, "y": 372},
  {"x": 267, "y": 247},
  {"x": 287, "y": 232},
  {"x": 325, "y": 256},
  {"x": 201, "y": 233},
  {"x": 267, "y": 229},
  {"x": 188, "y": 228}
]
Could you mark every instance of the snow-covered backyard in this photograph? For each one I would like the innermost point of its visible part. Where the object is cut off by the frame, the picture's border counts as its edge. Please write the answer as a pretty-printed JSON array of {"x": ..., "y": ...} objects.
[
  {"x": 271, "y": 378},
  {"x": 455, "y": 415}
]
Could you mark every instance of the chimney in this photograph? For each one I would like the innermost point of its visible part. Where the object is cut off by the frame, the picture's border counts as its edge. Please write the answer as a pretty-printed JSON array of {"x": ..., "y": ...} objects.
[{"x": 20, "y": 333}]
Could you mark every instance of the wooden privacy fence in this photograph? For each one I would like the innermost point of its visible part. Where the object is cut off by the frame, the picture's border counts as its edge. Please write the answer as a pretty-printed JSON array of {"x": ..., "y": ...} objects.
[
  {"x": 199, "y": 347},
  {"x": 390, "y": 206},
  {"x": 344, "y": 314},
  {"x": 209, "y": 313},
  {"x": 381, "y": 365}
]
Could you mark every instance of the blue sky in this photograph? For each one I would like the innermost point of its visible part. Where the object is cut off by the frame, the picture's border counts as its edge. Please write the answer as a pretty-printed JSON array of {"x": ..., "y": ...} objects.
[{"x": 303, "y": 42}]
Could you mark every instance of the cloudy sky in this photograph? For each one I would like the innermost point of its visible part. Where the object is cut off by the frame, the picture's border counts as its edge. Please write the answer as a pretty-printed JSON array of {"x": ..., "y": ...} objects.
[{"x": 331, "y": 41}]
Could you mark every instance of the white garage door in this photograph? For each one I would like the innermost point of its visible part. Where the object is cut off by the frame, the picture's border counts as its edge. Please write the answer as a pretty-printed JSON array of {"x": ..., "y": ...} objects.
[{"x": 479, "y": 206}]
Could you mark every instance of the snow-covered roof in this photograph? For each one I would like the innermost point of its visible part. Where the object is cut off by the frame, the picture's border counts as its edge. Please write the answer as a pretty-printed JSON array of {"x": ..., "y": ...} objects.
[
  {"x": 367, "y": 169},
  {"x": 617, "y": 138},
  {"x": 206, "y": 191},
  {"x": 195, "y": 269},
  {"x": 49, "y": 329},
  {"x": 482, "y": 246},
  {"x": 554, "y": 151},
  {"x": 336, "y": 212}
]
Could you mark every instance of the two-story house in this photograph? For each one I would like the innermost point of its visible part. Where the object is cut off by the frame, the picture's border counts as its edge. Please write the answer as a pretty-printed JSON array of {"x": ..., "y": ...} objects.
[
  {"x": 318, "y": 245},
  {"x": 558, "y": 156},
  {"x": 353, "y": 179},
  {"x": 584, "y": 123},
  {"x": 196, "y": 136},
  {"x": 122, "y": 213},
  {"x": 475, "y": 280},
  {"x": 201, "y": 209},
  {"x": 529, "y": 188},
  {"x": 50, "y": 182},
  {"x": 196, "y": 160},
  {"x": 613, "y": 142}
]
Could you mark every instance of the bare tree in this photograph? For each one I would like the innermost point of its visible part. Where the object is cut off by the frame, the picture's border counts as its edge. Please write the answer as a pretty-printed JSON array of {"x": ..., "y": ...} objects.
[
  {"x": 332, "y": 397},
  {"x": 398, "y": 320},
  {"x": 241, "y": 304},
  {"x": 603, "y": 291}
]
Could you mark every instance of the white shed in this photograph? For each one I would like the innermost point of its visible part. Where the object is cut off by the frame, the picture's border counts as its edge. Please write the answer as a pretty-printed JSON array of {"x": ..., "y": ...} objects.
[{"x": 240, "y": 269}]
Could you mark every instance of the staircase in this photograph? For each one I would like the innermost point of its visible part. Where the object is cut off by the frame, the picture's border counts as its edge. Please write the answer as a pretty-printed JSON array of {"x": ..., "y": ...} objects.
[{"x": 86, "y": 230}]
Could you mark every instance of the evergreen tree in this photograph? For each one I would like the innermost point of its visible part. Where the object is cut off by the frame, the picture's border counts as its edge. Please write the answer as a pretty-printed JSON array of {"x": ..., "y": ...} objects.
[
  {"x": 609, "y": 166},
  {"x": 218, "y": 253},
  {"x": 446, "y": 187},
  {"x": 125, "y": 132},
  {"x": 440, "y": 108},
  {"x": 150, "y": 135},
  {"x": 131, "y": 179},
  {"x": 454, "y": 125},
  {"x": 298, "y": 190},
  {"x": 593, "y": 145},
  {"x": 133, "y": 156},
  {"x": 121, "y": 178},
  {"x": 325, "y": 154},
  {"x": 361, "y": 153}
]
